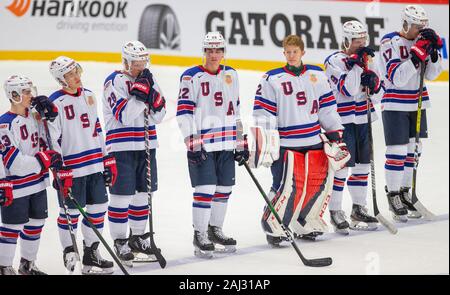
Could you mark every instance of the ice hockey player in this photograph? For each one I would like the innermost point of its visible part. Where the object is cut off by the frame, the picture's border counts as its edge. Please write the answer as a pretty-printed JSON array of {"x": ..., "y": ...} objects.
[
  {"x": 401, "y": 55},
  {"x": 297, "y": 101},
  {"x": 349, "y": 76},
  {"x": 26, "y": 161},
  {"x": 208, "y": 115},
  {"x": 128, "y": 94},
  {"x": 76, "y": 133}
]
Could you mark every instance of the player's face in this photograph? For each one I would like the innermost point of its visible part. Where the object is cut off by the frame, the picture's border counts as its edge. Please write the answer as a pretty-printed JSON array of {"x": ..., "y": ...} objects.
[
  {"x": 357, "y": 44},
  {"x": 137, "y": 67},
  {"x": 414, "y": 31},
  {"x": 27, "y": 96},
  {"x": 73, "y": 78},
  {"x": 213, "y": 57},
  {"x": 294, "y": 55}
]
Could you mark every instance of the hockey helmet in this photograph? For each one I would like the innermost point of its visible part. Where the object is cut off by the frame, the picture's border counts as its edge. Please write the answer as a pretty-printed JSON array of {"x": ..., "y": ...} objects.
[
  {"x": 61, "y": 66},
  {"x": 353, "y": 30},
  {"x": 134, "y": 51},
  {"x": 15, "y": 86},
  {"x": 414, "y": 15}
]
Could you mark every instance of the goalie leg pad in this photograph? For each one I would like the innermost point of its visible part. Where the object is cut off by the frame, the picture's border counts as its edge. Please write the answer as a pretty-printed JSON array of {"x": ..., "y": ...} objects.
[
  {"x": 308, "y": 216},
  {"x": 285, "y": 198},
  {"x": 303, "y": 195}
]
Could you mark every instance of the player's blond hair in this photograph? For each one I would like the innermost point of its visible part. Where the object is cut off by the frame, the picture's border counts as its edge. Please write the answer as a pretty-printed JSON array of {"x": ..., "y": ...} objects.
[{"x": 293, "y": 40}]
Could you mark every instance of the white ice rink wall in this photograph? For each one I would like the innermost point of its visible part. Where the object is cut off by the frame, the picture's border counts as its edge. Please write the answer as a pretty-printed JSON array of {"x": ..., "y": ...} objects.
[{"x": 95, "y": 29}]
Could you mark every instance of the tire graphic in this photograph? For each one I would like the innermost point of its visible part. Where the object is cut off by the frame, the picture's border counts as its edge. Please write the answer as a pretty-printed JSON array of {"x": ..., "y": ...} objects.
[{"x": 159, "y": 28}]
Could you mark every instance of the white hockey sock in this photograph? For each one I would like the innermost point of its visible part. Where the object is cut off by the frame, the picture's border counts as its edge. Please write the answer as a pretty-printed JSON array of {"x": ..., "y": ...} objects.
[
  {"x": 409, "y": 163},
  {"x": 395, "y": 166},
  {"x": 9, "y": 233},
  {"x": 201, "y": 207},
  {"x": 357, "y": 183},
  {"x": 118, "y": 216},
  {"x": 30, "y": 238},
  {"x": 63, "y": 227},
  {"x": 335, "y": 203},
  {"x": 219, "y": 205},
  {"x": 138, "y": 213},
  {"x": 96, "y": 214}
]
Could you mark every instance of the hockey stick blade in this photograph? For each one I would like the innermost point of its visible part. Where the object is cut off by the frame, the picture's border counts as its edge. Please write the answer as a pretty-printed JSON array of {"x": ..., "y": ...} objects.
[
  {"x": 319, "y": 262},
  {"x": 161, "y": 260},
  {"x": 387, "y": 224},
  {"x": 428, "y": 215}
]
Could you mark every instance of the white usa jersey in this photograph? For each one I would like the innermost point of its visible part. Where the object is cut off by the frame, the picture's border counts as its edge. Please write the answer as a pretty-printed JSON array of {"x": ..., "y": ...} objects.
[
  {"x": 76, "y": 132},
  {"x": 2, "y": 168},
  {"x": 401, "y": 78},
  {"x": 124, "y": 115},
  {"x": 23, "y": 138},
  {"x": 208, "y": 105},
  {"x": 346, "y": 84},
  {"x": 297, "y": 106}
]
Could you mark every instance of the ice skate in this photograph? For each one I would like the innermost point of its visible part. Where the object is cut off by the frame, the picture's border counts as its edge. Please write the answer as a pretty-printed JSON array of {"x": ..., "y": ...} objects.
[
  {"x": 123, "y": 252},
  {"x": 7, "y": 271},
  {"x": 141, "y": 248},
  {"x": 405, "y": 197},
  {"x": 204, "y": 248},
  {"x": 361, "y": 220},
  {"x": 339, "y": 222},
  {"x": 70, "y": 258},
  {"x": 399, "y": 212},
  {"x": 222, "y": 243},
  {"x": 29, "y": 268},
  {"x": 94, "y": 264}
]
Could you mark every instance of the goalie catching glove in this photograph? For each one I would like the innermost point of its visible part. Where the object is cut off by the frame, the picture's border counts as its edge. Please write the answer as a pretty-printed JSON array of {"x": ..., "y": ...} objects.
[{"x": 335, "y": 149}]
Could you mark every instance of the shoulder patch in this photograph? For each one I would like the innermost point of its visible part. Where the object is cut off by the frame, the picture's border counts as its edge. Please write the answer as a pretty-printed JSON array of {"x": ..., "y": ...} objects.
[
  {"x": 4, "y": 126},
  {"x": 187, "y": 78}
]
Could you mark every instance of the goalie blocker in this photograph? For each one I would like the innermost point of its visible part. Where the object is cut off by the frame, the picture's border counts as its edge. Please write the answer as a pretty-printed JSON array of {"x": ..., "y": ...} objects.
[{"x": 306, "y": 183}]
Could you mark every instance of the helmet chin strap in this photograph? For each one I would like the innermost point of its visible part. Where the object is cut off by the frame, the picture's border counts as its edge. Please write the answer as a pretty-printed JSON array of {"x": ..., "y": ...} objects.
[{"x": 14, "y": 102}]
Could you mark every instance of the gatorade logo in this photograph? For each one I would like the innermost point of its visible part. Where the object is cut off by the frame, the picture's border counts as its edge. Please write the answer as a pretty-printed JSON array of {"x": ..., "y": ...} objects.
[{"x": 19, "y": 7}]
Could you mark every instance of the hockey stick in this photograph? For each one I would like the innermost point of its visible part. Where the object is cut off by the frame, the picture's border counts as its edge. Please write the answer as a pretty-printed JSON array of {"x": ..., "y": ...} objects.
[
  {"x": 414, "y": 200},
  {"x": 83, "y": 213},
  {"x": 318, "y": 262},
  {"x": 161, "y": 260},
  {"x": 63, "y": 201},
  {"x": 383, "y": 220}
]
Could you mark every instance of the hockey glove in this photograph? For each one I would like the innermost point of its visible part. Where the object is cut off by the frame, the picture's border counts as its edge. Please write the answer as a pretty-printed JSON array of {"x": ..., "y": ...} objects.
[
  {"x": 49, "y": 159},
  {"x": 359, "y": 58},
  {"x": 156, "y": 101},
  {"x": 64, "y": 177},
  {"x": 364, "y": 52},
  {"x": 45, "y": 107},
  {"x": 241, "y": 154},
  {"x": 371, "y": 80},
  {"x": 196, "y": 153},
  {"x": 6, "y": 193},
  {"x": 419, "y": 52},
  {"x": 430, "y": 35},
  {"x": 110, "y": 173},
  {"x": 353, "y": 60}
]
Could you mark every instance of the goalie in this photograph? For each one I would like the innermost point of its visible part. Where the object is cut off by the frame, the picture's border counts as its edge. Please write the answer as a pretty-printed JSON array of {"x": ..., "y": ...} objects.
[{"x": 292, "y": 106}]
